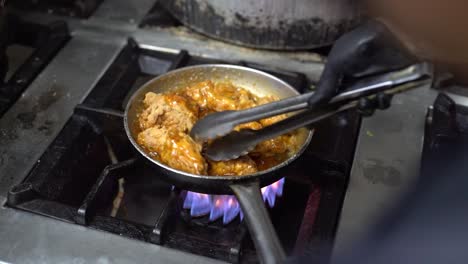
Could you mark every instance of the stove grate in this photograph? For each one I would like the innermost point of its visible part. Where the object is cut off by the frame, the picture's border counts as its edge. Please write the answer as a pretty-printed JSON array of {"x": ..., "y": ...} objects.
[
  {"x": 44, "y": 41},
  {"x": 77, "y": 177}
]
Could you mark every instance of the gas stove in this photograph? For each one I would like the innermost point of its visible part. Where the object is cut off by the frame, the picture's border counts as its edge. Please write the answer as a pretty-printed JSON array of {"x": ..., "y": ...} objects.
[
  {"x": 77, "y": 178},
  {"x": 73, "y": 187}
]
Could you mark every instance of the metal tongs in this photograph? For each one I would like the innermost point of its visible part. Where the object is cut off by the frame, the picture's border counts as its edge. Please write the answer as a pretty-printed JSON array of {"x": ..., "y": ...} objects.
[{"x": 229, "y": 144}]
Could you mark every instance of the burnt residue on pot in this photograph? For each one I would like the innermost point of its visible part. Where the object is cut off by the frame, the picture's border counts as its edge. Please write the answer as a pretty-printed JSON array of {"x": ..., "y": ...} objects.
[
  {"x": 257, "y": 31},
  {"x": 242, "y": 19}
]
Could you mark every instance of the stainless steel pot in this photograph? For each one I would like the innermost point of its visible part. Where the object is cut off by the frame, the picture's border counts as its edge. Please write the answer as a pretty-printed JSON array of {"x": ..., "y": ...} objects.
[{"x": 271, "y": 24}]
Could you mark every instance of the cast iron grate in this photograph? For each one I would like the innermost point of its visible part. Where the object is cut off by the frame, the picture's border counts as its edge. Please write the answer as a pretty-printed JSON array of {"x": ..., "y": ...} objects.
[
  {"x": 70, "y": 8},
  {"x": 158, "y": 16},
  {"x": 60, "y": 186},
  {"x": 44, "y": 41}
]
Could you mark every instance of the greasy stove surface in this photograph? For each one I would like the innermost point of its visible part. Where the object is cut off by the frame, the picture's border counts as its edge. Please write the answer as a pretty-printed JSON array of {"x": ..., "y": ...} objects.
[
  {"x": 76, "y": 179},
  {"x": 71, "y": 8},
  {"x": 30, "y": 47}
]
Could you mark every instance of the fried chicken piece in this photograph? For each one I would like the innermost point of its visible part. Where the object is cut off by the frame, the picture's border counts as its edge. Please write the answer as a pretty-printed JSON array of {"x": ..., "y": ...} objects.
[
  {"x": 241, "y": 166},
  {"x": 250, "y": 125},
  {"x": 174, "y": 148},
  {"x": 265, "y": 99},
  {"x": 275, "y": 146},
  {"x": 220, "y": 96},
  {"x": 167, "y": 118},
  {"x": 197, "y": 92},
  {"x": 271, "y": 120},
  {"x": 265, "y": 162},
  {"x": 168, "y": 110}
]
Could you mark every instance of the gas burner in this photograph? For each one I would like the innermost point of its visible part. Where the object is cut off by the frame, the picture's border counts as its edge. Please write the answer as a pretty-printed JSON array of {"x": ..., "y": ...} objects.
[
  {"x": 226, "y": 206},
  {"x": 148, "y": 209}
]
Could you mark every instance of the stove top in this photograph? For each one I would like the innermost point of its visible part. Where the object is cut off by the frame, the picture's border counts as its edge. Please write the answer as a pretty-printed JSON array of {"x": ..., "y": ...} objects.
[
  {"x": 30, "y": 47},
  {"x": 71, "y": 8},
  {"x": 77, "y": 178},
  {"x": 64, "y": 155}
]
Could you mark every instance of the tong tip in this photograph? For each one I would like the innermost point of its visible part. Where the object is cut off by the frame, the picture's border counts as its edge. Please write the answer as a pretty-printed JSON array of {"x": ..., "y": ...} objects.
[{"x": 231, "y": 146}]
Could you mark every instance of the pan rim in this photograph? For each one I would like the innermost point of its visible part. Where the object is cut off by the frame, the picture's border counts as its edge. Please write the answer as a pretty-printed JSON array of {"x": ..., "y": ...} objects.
[{"x": 248, "y": 177}]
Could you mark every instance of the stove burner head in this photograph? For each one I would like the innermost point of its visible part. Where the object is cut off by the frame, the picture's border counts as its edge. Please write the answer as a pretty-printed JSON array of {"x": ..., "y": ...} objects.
[{"x": 226, "y": 206}]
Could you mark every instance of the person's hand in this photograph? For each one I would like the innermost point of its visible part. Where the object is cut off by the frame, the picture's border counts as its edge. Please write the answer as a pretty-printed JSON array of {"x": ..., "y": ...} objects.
[{"x": 367, "y": 50}]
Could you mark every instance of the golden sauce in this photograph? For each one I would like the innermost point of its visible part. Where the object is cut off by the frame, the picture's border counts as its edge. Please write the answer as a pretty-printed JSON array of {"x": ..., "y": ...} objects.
[{"x": 175, "y": 114}]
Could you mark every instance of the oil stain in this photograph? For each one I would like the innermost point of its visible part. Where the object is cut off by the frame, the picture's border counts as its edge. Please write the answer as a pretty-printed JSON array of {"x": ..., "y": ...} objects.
[
  {"x": 44, "y": 101},
  {"x": 45, "y": 128},
  {"x": 48, "y": 98},
  {"x": 9, "y": 134},
  {"x": 376, "y": 172},
  {"x": 26, "y": 119},
  {"x": 3, "y": 158}
]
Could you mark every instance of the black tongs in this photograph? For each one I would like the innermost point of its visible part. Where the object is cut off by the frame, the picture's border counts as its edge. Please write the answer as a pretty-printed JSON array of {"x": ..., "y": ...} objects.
[{"x": 229, "y": 144}]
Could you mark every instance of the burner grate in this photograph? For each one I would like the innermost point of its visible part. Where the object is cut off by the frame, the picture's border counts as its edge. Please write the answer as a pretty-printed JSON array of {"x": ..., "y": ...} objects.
[
  {"x": 70, "y": 8},
  {"x": 158, "y": 16},
  {"x": 59, "y": 186},
  {"x": 43, "y": 42}
]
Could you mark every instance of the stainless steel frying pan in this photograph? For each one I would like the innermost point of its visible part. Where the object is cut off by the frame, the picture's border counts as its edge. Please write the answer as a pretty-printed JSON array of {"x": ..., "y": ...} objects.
[{"x": 246, "y": 188}]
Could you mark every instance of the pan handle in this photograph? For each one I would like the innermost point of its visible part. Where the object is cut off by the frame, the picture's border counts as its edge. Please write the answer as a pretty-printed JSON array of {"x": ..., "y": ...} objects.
[{"x": 258, "y": 222}]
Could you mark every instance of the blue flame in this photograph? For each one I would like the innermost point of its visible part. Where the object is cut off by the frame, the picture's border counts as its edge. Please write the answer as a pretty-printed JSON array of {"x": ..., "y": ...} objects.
[{"x": 227, "y": 206}]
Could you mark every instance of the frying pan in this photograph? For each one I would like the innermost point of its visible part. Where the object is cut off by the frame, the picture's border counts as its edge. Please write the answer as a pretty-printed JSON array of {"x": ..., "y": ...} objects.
[{"x": 246, "y": 188}]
